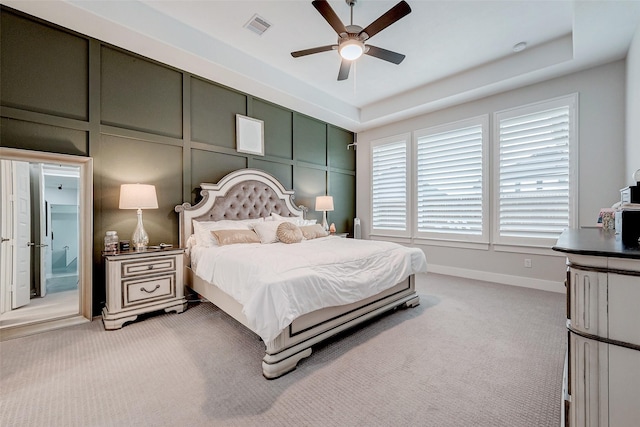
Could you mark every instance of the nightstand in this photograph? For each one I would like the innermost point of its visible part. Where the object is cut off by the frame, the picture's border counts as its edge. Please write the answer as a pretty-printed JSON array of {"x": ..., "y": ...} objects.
[{"x": 142, "y": 282}]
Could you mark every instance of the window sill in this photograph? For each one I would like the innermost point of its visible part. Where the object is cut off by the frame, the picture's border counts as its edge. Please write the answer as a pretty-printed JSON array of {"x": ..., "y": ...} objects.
[
  {"x": 527, "y": 249},
  {"x": 390, "y": 238},
  {"x": 484, "y": 246}
]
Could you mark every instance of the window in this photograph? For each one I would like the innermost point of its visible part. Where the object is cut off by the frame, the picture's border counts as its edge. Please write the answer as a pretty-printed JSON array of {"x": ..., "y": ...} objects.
[
  {"x": 389, "y": 185},
  {"x": 450, "y": 191},
  {"x": 535, "y": 188}
]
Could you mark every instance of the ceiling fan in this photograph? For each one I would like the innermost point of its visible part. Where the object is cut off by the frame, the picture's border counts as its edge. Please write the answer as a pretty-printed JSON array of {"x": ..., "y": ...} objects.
[{"x": 351, "y": 38}]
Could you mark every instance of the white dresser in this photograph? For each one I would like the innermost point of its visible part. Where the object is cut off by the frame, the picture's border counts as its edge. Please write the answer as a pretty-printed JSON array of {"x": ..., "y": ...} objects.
[
  {"x": 141, "y": 282},
  {"x": 602, "y": 376}
]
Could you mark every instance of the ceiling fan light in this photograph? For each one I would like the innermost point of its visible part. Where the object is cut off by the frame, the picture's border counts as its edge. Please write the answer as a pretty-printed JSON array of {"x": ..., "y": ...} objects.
[{"x": 351, "y": 50}]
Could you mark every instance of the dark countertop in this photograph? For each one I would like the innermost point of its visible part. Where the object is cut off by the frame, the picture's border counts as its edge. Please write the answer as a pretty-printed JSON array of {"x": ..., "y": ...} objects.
[{"x": 595, "y": 241}]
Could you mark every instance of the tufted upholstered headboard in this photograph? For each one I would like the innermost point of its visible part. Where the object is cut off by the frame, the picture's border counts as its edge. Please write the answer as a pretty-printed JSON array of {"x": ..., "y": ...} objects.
[{"x": 243, "y": 194}]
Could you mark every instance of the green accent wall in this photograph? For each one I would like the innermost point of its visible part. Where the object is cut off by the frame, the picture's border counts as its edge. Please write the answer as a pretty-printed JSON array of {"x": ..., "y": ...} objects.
[{"x": 143, "y": 121}]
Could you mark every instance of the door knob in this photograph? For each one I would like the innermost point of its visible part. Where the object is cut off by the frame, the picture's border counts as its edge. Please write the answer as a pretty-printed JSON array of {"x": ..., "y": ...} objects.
[{"x": 4, "y": 239}]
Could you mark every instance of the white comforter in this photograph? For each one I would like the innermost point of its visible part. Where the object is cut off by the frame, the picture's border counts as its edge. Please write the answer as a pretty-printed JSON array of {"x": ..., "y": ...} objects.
[{"x": 276, "y": 283}]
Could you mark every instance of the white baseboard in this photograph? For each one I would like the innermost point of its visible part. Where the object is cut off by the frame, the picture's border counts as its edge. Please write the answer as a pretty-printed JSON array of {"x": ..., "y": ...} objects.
[{"x": 505, "y": 279}]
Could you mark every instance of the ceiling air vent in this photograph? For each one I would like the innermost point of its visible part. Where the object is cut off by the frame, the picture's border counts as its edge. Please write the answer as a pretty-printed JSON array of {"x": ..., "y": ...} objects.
[{"x": 257, "y": 24}]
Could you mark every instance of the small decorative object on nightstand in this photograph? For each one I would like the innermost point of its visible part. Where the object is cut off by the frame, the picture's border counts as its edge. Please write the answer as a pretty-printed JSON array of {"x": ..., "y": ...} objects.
[{"x": 142, "y": 281}]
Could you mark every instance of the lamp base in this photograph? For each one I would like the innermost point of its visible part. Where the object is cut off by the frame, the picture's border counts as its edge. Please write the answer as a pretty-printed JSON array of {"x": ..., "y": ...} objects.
[
  {"x": 140, "y": 238},
  {"x": 325, "y": 225}
]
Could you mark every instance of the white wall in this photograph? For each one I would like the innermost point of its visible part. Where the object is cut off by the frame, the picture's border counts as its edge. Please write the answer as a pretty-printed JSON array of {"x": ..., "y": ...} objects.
[
  {"x": 601, "y": 117},
  {"x": 633, "y": 109}
]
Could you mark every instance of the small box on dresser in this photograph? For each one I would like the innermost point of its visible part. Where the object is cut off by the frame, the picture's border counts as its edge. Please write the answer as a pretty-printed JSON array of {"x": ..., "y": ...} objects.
[{"x": 142, "y": 282}]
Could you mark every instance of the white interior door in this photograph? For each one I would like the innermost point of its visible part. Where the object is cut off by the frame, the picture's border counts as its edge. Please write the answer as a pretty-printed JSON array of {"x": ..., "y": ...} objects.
[
  {"x": 22, "y": 232},
  {"x": 6, "y": 233}
]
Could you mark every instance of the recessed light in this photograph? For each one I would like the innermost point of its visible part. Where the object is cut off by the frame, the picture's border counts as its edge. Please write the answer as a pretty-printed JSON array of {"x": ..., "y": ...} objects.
[{"x": 519, "y": 47}]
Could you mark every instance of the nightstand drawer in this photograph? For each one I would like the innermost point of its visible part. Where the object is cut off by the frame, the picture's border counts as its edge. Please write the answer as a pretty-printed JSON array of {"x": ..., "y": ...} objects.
[
  {"x": 148, "y": 266},
  {"x": 148, "y": 289}
]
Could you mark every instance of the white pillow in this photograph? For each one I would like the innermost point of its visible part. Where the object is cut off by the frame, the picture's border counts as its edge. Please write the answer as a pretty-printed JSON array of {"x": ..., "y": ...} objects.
[
  {"x": 203, "y": 229},
  {"x": 191, "y": 242},
  {"x": 267, "y": 231},
  {"x": 293, "y": 219}
]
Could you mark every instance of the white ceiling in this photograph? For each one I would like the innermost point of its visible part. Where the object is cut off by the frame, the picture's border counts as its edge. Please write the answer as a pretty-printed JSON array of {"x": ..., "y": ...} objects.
[{"x": 456, "y": 50}]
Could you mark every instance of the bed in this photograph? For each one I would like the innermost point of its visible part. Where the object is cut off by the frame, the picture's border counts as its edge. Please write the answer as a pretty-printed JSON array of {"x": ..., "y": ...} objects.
[{"x": 338, "y": 284}]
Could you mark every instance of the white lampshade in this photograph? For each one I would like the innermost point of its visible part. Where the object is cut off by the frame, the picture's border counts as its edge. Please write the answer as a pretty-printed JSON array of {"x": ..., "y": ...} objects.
[
  {"x": 324, "y": 203},
  {"x": 138, "y": 196}
]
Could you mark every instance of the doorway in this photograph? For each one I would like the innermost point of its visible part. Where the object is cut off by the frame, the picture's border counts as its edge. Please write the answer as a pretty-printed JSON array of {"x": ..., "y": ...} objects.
[
  {"x": 60, "y": 233},
  {"x": 46, "y": 241}
]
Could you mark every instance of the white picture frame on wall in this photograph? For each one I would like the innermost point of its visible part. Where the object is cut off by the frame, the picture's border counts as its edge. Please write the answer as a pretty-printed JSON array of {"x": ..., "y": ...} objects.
[{"x": 249, "y": 135}]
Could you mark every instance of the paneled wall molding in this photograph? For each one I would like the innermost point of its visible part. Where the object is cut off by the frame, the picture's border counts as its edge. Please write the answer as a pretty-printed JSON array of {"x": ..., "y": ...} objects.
[
  {"x": 140, "y": 136},
  {"x": 42, "y": 118},
  {"x": 343, "y": 171},
  {"x": 215, "y": 149},
  {"x": 151, "y": 123},
  {"x": 186, "y": 135}
]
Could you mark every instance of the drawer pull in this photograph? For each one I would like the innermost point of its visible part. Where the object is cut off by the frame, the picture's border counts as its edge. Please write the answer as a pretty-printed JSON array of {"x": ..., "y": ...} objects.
[{"x": 151, "y": 291}]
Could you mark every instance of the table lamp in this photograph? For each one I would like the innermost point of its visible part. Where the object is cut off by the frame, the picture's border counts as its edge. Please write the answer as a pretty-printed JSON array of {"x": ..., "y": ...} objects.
[
  {"x": 324, "y": 204},
  {"x": 138, "y": 196}
]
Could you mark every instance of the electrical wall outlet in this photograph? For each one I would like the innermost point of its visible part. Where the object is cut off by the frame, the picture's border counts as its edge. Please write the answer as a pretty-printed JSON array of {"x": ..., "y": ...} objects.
[{"x": 527, "y": 262}]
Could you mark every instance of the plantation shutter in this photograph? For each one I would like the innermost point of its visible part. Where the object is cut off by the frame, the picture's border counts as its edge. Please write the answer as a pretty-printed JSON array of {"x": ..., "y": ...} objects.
[
  {"x": 534, "y": 181},
  {"x": 449, "y": 182},
  {"x": 389, "y": 186}
]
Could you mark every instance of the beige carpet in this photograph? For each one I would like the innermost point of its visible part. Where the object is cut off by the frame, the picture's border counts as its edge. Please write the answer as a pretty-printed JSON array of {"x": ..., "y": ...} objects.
[{"x": 472, "y": 354}]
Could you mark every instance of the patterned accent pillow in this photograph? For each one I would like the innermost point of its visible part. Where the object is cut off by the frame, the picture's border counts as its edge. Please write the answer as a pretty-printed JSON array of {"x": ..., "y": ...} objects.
[
  {"x": 288, "y": 232},
  {"x": 230, "y": 237},
  {"x": 313, "y": 231}
]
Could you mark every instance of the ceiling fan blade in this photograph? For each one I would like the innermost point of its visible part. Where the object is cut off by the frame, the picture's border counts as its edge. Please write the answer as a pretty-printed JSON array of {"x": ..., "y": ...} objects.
[
  {"x": 394, "y": 14},
  {"x": 299, "y": 53},
  {"x": 345, "y": 66},
  {"x": 384, "y": 54},
  {"x": 329, "y": 15}
]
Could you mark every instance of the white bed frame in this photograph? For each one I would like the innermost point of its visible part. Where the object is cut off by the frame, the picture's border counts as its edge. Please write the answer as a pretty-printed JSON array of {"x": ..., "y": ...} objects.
[{"x": 251, "y": 193}]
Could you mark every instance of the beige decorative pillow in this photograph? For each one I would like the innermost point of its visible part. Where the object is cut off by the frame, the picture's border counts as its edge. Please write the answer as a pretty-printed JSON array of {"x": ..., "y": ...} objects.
[
  {"x": 203, "y": 229},
  {"x": 313, "y": 231},
  {"x": 288, "y": 232},
  {"x": 230, "y": 237}
]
